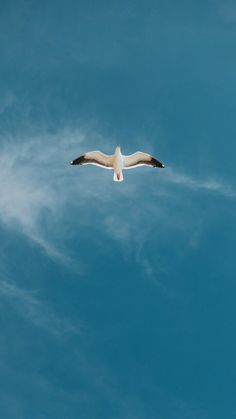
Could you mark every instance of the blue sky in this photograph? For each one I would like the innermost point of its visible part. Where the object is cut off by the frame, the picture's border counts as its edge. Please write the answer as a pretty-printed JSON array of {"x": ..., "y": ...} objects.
[{"x": 117, "y": 301}]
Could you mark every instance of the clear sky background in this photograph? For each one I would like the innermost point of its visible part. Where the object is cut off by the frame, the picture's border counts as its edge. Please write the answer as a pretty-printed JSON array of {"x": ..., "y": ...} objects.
[{"x": 117, "y": 300}]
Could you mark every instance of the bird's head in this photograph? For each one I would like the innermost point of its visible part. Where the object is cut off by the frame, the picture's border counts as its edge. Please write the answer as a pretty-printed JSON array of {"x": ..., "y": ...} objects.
[{"x": 117, "y": 149}]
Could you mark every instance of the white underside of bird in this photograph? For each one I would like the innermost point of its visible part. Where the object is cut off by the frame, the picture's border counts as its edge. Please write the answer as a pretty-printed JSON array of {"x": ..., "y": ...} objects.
[{"x": 117, "y": 162}]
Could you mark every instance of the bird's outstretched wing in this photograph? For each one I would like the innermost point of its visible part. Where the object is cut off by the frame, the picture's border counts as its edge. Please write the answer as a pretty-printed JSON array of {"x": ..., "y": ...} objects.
[
  {"x": 94, "y": 157},
  {"x": 141, "y": 159}
]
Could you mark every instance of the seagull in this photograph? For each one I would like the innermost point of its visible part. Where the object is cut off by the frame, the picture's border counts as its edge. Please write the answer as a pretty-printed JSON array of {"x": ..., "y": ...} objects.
[{"x": 117, "y": 161}]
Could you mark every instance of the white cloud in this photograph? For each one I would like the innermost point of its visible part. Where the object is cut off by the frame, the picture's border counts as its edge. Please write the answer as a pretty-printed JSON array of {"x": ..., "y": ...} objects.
[
  {"x": 36, "y": 184},
  {"x": 212, "y": 185},
  {"x": 34, "y": 310}
]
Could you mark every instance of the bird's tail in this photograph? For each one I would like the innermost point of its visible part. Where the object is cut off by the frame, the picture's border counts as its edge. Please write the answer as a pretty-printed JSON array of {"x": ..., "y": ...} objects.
[{"x": 118, "y": 176}]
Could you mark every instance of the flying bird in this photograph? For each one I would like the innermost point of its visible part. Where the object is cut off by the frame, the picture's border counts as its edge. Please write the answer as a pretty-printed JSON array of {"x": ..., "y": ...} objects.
[{"x": 117, "y": 161}]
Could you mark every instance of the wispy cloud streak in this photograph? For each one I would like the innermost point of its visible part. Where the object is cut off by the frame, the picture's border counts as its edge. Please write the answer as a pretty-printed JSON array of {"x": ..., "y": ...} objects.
[
  {"x": 34, "y": 310},
  {"x": 35, "y": 184},
  {"x": 192, "y": 183}
]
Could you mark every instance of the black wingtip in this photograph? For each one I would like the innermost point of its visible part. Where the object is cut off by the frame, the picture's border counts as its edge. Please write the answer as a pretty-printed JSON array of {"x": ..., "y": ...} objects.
[
  {"x": 157, "y": 163},
  {"x": 79, "y": 160}
]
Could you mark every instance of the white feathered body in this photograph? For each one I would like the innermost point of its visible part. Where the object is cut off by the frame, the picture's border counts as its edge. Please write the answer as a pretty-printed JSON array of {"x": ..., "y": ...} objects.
[{"x": 118, "y": 165}]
